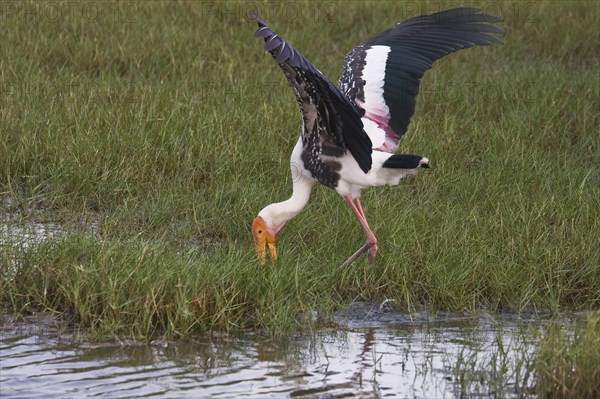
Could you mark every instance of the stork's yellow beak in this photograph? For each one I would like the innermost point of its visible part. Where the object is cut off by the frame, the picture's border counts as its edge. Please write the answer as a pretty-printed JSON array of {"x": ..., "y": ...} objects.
[{"x": 264, "y": 241}]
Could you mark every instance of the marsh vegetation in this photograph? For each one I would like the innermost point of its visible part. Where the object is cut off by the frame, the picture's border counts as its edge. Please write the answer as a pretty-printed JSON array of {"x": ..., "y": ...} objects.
[{"x": 152, "y": 134}]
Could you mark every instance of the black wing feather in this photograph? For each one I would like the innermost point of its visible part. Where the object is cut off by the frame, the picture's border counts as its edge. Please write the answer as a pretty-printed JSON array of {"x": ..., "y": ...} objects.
[
  {"x": 321, "y": 102},
  {"x": 415, "y": 45}
]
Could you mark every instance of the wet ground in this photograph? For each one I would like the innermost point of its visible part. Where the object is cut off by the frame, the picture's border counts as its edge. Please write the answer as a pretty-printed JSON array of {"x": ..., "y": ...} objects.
[{"x": 373, "y": 353}]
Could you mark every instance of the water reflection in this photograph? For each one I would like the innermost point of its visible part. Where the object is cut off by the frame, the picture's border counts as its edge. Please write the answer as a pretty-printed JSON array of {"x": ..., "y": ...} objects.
[{"x": 444, "y": 357}]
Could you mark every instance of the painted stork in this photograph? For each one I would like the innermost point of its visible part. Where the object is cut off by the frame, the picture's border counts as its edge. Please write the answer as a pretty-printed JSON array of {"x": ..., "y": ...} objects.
[{"x": 350, "y": 132}]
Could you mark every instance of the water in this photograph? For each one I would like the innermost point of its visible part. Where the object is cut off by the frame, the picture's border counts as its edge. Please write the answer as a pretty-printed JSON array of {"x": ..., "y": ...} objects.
[{"x": 372, "y": 353}]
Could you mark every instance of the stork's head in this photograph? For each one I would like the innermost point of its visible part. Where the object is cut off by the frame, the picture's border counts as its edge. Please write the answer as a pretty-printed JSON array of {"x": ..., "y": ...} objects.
[{"x": 264, "y": 240}]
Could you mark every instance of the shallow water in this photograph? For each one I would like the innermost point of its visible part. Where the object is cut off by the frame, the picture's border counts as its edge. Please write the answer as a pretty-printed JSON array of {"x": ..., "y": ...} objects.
[{"x": 372, "y": 353}]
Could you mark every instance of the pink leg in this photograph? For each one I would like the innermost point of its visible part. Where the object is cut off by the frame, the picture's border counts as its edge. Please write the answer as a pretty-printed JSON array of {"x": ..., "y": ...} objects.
[
  {"x": 356, "y": 202},
  {"x": 373, "y": 241},
  {"x": 371, "y": 244}
]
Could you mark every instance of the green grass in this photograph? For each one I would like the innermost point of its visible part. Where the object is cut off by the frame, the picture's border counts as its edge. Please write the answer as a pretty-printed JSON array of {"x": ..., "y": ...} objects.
[{"x": 168, "y": 127}]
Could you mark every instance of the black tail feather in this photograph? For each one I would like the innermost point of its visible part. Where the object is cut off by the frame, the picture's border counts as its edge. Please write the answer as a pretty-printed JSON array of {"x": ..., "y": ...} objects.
[{"x": 405, "y": 161}]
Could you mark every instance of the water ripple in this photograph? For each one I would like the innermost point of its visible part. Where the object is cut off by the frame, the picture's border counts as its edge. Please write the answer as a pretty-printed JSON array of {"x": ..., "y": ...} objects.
[{"x": 412, "y": 359}]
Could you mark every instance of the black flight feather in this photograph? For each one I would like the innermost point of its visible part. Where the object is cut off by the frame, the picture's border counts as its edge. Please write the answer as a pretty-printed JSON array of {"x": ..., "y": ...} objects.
[
  {"x": 415, "y": 45},
  {"x": 324, "y": 108}
]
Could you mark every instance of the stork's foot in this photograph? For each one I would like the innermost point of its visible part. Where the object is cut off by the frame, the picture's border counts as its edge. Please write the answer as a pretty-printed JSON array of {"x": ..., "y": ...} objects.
[
  {"x": 354, "y": 256},
  {"x": 372, "y": 252},
  {"x": 370, "y": 247}
]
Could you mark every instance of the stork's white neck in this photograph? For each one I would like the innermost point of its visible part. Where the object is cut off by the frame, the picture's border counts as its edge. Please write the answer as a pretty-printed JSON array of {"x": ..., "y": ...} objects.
[{"x": 278, "y": 214}]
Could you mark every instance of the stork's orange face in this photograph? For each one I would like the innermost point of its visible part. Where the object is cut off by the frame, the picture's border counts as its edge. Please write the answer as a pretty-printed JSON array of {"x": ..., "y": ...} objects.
[{"x": 264, "y": 241}]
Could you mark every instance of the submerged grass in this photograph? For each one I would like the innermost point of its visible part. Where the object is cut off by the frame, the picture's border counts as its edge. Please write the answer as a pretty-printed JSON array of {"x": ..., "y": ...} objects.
[
  {"x": 563, "y": 363},
  {"x": 567, "y": 364},
  {"x": 170, "y": 127}
]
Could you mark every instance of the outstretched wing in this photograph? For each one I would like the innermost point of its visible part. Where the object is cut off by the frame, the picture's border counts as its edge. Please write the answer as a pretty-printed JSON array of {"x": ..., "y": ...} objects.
[
  {"x": 323, "y": 107},
  {"x": 381, "y": 76}
]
